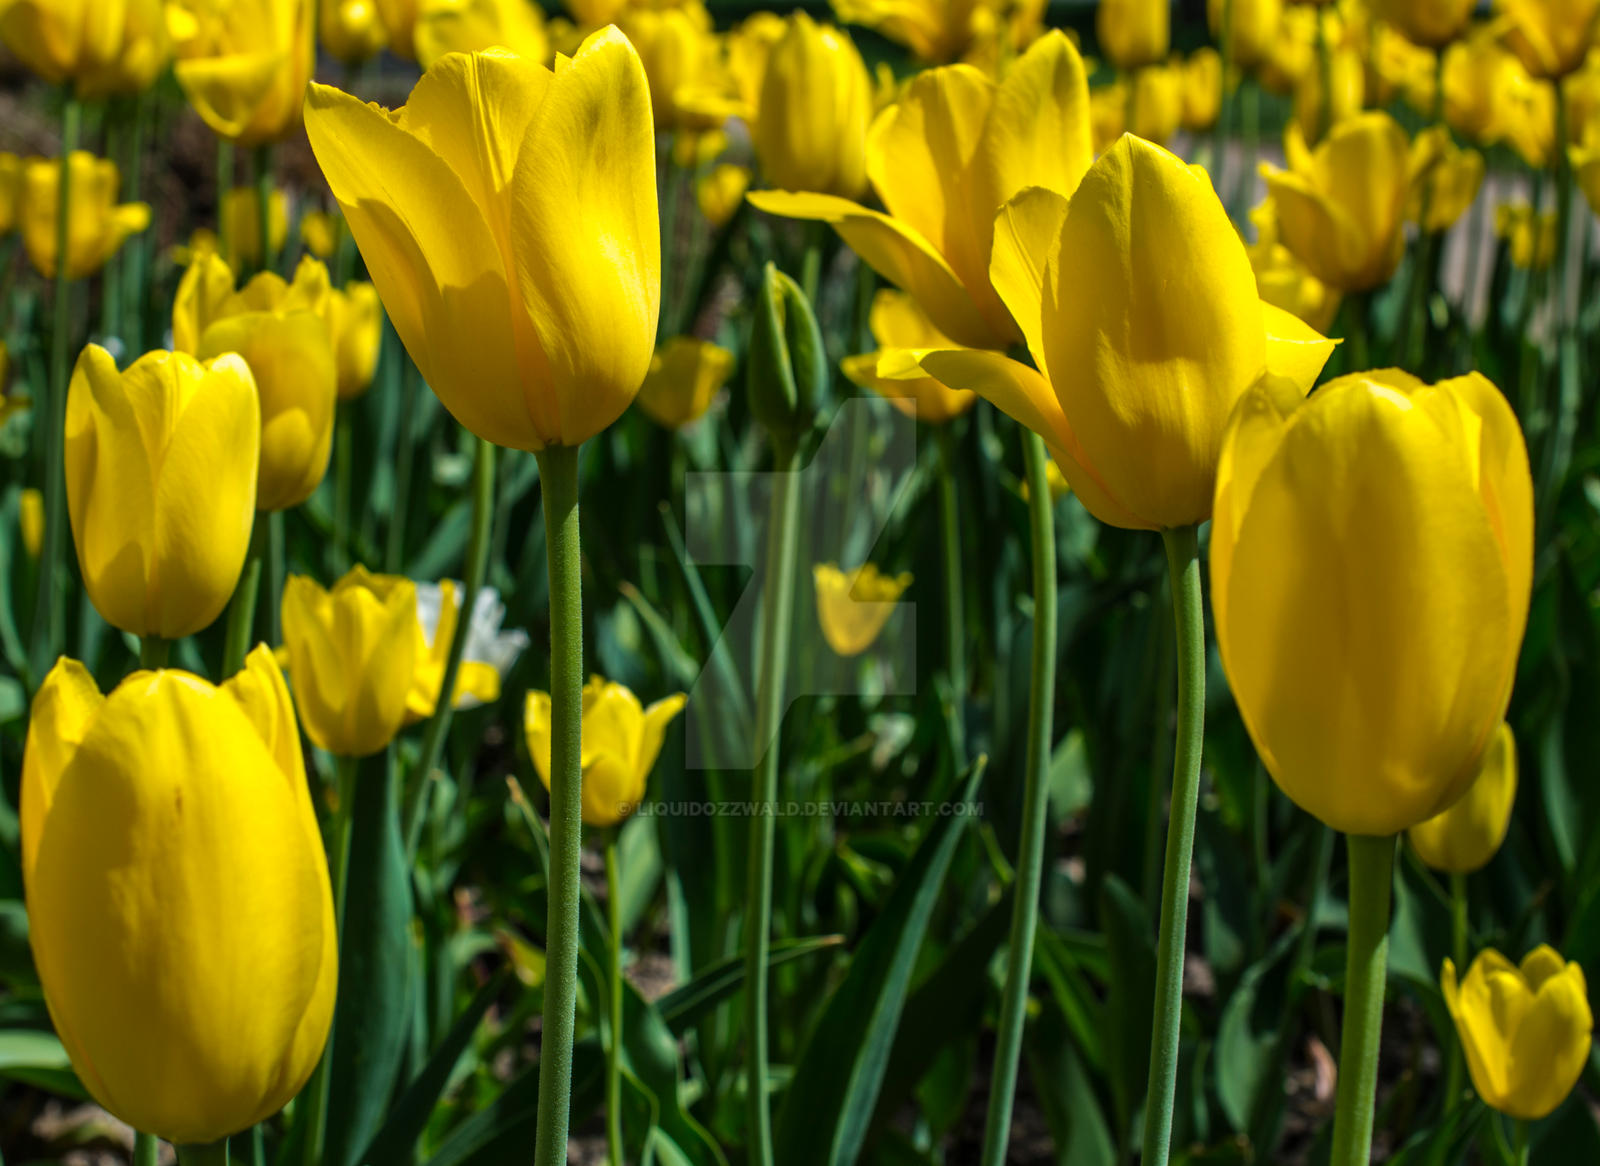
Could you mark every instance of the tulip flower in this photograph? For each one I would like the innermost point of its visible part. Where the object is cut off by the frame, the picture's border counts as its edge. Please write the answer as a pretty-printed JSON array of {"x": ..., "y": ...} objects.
[
  {"x": 1293, "y": 51},
  {"x": 11, "y": 168},
  {"x": 355, "y": 329},
  {"x": 161, "y": 485},
  {"x": 1134, "y": 33},
  {"x": 30, "y": 520},
  {"x": 1378, "y": 717},
  {"x": 621, "y": 741},
  {"x": 281, "y": 331},
  {"x": 816, "y": 101},
  {"x": 1464, "y": 837},
  {"x": 685, "y": 376},
  {"x": 178, "y": 895},
  {"x": 487, "y": 656},
  {"x": 1525, "y": 1030},
  {"x": 747, "y": 49},
  {"x": 1531, "y": 235},
  {"x": 108, "y": 50},
  {"x": 1480, "y": 76},
  {"x": 470, "y": 26},
  {"x": 239, "y": 223},
  {"x": 1157, "y": 105},
  {"x": 353, "y": 653},
  {"x": 1314, "y": 111},
  {"x": 96, "y": 225},
  {"x": 1284, "y": 281},
  {"x": 399, "y": 19},
  {"x": 944, "y": 161},
  {"x": 1529, "y": 123},
  {"x": 320, "y": 232},
  {"x": 1552, "y": 37},
  {"x": 853, "y": 606},
  {"x": 720, "y": 192},
  {"x": 1252, "y": 28},
  {"x": 1108, "y": 114},
  {"x": 936, "y": 31},
  {"x": 351, "y": 30},
  {"x": 1202, "y": 90},
  {"x": 1586, "y": 169},
  {"x": 591, "y": 14},
  {"x": 1450, "y": 186},
  {"x": 677, "y": 48},
  {"x": 897, "y": 323},
  {"x": 526, "y": 284},
  {"x": 1426, "y": 22},
  {"x": 244, "y": 65}
]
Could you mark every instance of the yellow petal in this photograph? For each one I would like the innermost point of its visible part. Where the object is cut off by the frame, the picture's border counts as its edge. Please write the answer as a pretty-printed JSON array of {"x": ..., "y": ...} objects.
[
  {"x": 1027, "y": 234},
  {"x": 1295, "y": 350},
  {"x": 63, "y": 709}
]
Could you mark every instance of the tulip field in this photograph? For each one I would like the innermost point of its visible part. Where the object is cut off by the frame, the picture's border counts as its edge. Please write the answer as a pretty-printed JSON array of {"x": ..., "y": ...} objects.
[{"x": 896, "y": 582}]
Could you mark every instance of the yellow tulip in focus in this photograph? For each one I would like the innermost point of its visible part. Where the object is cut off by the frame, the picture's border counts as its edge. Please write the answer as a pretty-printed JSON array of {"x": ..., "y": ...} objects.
[
  {"x": 1252, "y": 28},
  {"x": 1202, "y": 90},
  {"x": 1134, "y": 33},
  {"x": 178, "y": 899},
  {"x": 525, "y": 282},
  {"x": 11, "y": 168},
  {"x": 1452, "y": 178},
  {"x": 1426, "y": 22},
  {"x": 898, "y": 323},
  {"x": 1158, "y": 102},
  {"x": 320, "y": 232},
  {"x": 853, "y": 606},
  {"x": 352, "y": 655},
  {"x": 1525, "y": 1030},
  {"x": 161, "y": 486},
  {"x": 1531, "y": 235},
  {"x": 1466, "y": 836},
  {"x": 352, "y": 29},
  {"x": 470, "y": 26},
  {"x": 244, "y": 65},
  {"x": 30, "y": 519},
  {"x": 107, "y": 49},
  {"x": 816, "y": 101},
  {"x": 621, "y": 741},
  {"x": 239, "y": 223},
  {"x": 96, "y": 225},
  {"x": 1552, "y": 37},
  {"x": 1371, "y": 562},
  {"x": 355, "y": 329},
  {"x": 719, "y": 192},
  {"x": 685, "y": 376},
  {"x": 936, "y": 31}
]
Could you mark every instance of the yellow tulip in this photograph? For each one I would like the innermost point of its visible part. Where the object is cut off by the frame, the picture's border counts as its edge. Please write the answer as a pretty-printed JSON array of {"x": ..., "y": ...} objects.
[
  {"x": 1283, "y": 280},
  {"x": 1202, "y": 89},
  {"x": 685, "y": 376},
  {"x": 282, "y": 332},
  {"x": 677, "y": 48},
  {"x": 720, "y": 192},
  {"x": 853, "y": 606},
  {"x": 816, "y": 101},
  {"x": 897, "y": 323},
  {"x": 525, "y": 283},
  {"x": 747, "y": 49},
  {"x": 1426, "y": 22},
  {"x": 1347, "y": 77},
  {"x": 1293, "y": 52},
  {"x": 244, "y": 65},
  {"x": 1530, "y": 233},
  {"x": 178, "y": 896},
  {"x": 694, "y": 149},
  {"x": 1134, "y": 33},
  {"x": 1529, "y": 124},
  {"x": 1463, "y": 838},
  {"x": 239, "y": 223},
  {"x": 96, "y": 225},
  {"x": 1452, "y": 178},
  {"x": 944, "y": 161},
  {"x": 399, "y": 18},
  {"x": 161, "y": 485},
  {"x": 320, "y": 232},
  {"x": 1480, "y": 79},
  {"x": 487, "y": 654},
  {"x": 621, "y": 741},
  {"x": 1525, "y": 1030},
  {"x": 1376, "y": 543},
  {"x": 470, "y": 26},
  {"x": 1252, "y": 28},
  {"x": 11, "y": 168},
  {"x": 30, "y": 518},
  {"x": 352, "y": 30},
  {"x": 1157, "y": 106},
  {"x": 1586, "y": 168},
  {"x": 591, "y": 14},
  {"x": 107, "y": 49},
  {"x": 355, "y": 329},
  {"x": 936, "y": 31},
  {"x": 1552, "y": 37},
  {"x": 1152, "y": 352},
  {"x": 1108, "y": 114},
  {"x": 352, "y": 656}
]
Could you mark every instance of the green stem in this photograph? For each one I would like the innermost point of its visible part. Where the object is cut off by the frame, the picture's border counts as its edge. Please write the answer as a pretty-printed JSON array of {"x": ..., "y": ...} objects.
[
  {"x": 133, "y": 272},
  {"x": 1324, "y": 114},
  {"x": 214, "y": 1154},
  {"x": 242, "y": 607},
  {"x": 277, "y": 565},
  {"x": 146, "y": 1149},
  {"x": 1371, "y": 874},
  {"x": 404, "y": 451},
  {"x": 811, "y": 261},
  {"x": 49, "y": 613},
  {"x": 153, "y": 652},
  {"x": 225, "y": 166},
  {"x": 777, "y": 606},
  {"x": 1358, "y": 305},
  {"x": 1183, "y": 566},
  {"x": 1219, "y": 132},
  {"x": 954, "y": 603},
  {"x": 1521, "y": 1143},
  {"x": 111, "y": 270},
  {"x": 1030, "y": 856},
  {"x": 263, "y": 163},
  {"x": 444, "y": 704},
  {"x": 1569, "y": 391},
  {"x": 614, "y": 1008},
  {"x": 558, "y": 478},
  {"x": 1458, "y": 951},
  {"x": 343, "y": 454}
]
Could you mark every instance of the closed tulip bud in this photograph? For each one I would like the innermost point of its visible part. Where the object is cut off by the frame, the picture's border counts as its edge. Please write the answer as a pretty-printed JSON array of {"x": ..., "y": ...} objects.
[
  {"x": 161, "y": 486},
  {"x": 1252, "y": 28},
  {"x": 486, "y": 657},
  {"x": 30, "y": 519},
  {"x": 853, "y": 606},
  {"x": 898, "y": 323},
  {"x": 244, "y": 65},
  {"x": 720, "y": 192},
  {"x": 352, "y": 656},
  {"x": 816, "y": 101},
  {"x": 1384, "y": 529},
  {"x": 320, "y": 232},
  {"x": 108, "y": 49},
  {"x": 1157, "y": 105},
  {"x": 11, "y": 168},
  {"x": 525, "y": 285},
  {"x": 181, "y": 918},
  {"x": 470, "y": 26},
  {"x": 355, "y": 328},
  {"x": 685, "y": 376},
  {"x": 1452, "y": 179},
  {"x": 96, "y": 225},
  {"x": 1134, "y": 33},
  {"x": 1552, "y": 37},
  {"x": 621, "y": 741},
  {"x": 1466, "y": 836},
  {"x": 399, "y": 19},
  {"x": 351, "y": 30},
  {"x": 1202, "y": 90},
  {"x": 1427, "y": 22},
  {"x": 786, "y": 369},
  {"x": 1525, "y": 1031},
  {"x": 239, "y": 221}
]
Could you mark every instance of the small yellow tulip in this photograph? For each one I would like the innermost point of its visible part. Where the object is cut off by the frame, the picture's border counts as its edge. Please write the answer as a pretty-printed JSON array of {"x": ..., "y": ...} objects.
[
  {"x": 1202, "y": 90},
  {"x": 816, "y": 101},
  {"x": 355, "y": 329},
  {"x": 1293, "y": 51},
  {"x": 1552, "y": 37},
  {"x": 178, "y": 897},
  {"x": 30, "y": 518},
  {"x": 1531, "y": 235},
  {"x": 470, "y": 26},
  {"x": 685, "y": 376},
  {"x": 1283, "y": 280},
  {"x": 853, "y": 606},
  {"x": 936, "y": 31},
  {"x": 747, "y": 48},
  {"x": 678, "y": 49},
  {"x": 1525, "y": 1030},
  {"x": 96, "y": 225},
  {"x": 239, "y": 223},
  {"x": 1108, "y": 114},
  {"x": 1529, "y": 123},
  {"x": 1586, "y": 168},
  {"x": 898, "y": 323},
  {"x": 244, "y": 65},
  {"x": 399, "y": 19},
  {"x": 1371, "y": 563},
  {"x": 161, "y": 485},
  {"x": 352, "y": 30},
  {"x": 591, "y": 14},
  {"x": 1452, "y": 179},
  {"x": 526, "y": 282},
  {"x": 1252, "y": 28},
  {"x": 1466, "y": 836},
  {"x": 1347, "y": 77},
  {"x": 621, "y": 741},
  {"x": 1426, "y": 22},
  {"x": 693, "y": 149},
  {"x": 352, "y": 656},
  {"x": 1480, "y": 78},
  {"x": 719, "y": 192},
  {"x": 107, "y": 49},
  {"x": 11, "y": 168},
  {"x": 1157, "y": 105},
  {"x": 320, "y": 232},
  {"x": 1134, "y": 33}
]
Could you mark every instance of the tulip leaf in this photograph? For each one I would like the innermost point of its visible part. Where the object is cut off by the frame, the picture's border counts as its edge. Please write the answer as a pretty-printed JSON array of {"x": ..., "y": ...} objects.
[
  {"x": 38, "y": 1058},
  {"x": 1130, "y": 938},
  {"x": 686, "y": 1004},
  {"x": 500, "y": 1133},
  {"x": 1065, "y": 1088}
]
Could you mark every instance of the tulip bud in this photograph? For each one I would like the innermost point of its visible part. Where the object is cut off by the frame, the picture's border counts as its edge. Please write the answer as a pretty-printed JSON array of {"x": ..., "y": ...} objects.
[
  {"x": 720, "y": 192},
  {"x": 239, "y": 225},
  {"x": 30, "y": 518},
  {"x": 244, "y": 65},
  {"x": 96, "y": 226},
  {"x": 320, "y": 232},
  {"x": 1552, "y": 37},
  {"x": 161, "y": 485},
  {"x": 1157, "y": 105},
  {"x": 853, "y": 606},
  {"x": 816, "y": 101},
  {"x": 1452, "y": 178},
  {"x": 1525, "y": 1030},
  {"x": 786, "y": 367},
  {"x": 677, "y": 47},
  {"x": 351, "y": 29},
  {"x": 1202, "y": 90},
  {"x": 355, "y": 328},
  {"x": 1134, "y": 33},
  {"x": 1466, "y": 836},
  {"x": 399, "y": 19},
  {"x": 685, "y": 376},
  {"x": 1427, "y": 22},
  {"x": 621, "y": 741},
  {"x": 1253, "y": 27},
  {"x": 181, "y": 918},
  {"x": 352, "y": 656}
]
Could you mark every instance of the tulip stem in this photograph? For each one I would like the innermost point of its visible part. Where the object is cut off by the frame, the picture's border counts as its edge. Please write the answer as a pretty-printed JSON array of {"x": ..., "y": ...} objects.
[
  {"x": 146, "y": 1149},
  {"x": 343, "y": 453},
  {"x": 263, "y": 161},
  {"x": 1458, "y": 950},
  {"x": 210, "y": 1154},
  {"x": 614, "y": 1009},
  {"x": 954, "y": 603},
  {"x": 132, "y": 323},
  {"x": 1036, "y": 791},
  {"x": 49, "y": 613},
  {"x": 1521, "y": 1143},
  {"x": 404, "y": 450},
  {"x": 558, "y": 478},
  {"x": 776, "y": 612},
  {"x": 1183, "y": 566},
  {"x": 242, "y": 607},
  {"x": 1569, "y": 392},
  {"x": 477, "y": 565},
  {"x": 1366, "y": 956},
  {"x": 153, "y": 652}
]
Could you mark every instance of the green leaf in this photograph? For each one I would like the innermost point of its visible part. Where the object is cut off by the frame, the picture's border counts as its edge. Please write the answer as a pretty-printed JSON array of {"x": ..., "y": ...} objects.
[
  {"x": 38, "y": 1058},
  {"x": 501, "y": 1133},
  {"x": 684, "y": 1005},
  {"x": 1131, "y": 939}
]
